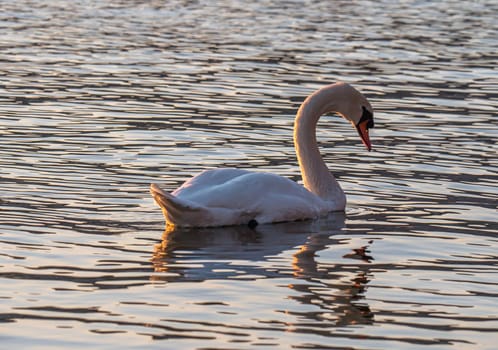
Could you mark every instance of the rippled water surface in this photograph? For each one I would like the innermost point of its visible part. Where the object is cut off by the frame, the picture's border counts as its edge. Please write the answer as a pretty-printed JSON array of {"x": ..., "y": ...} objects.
[{"x": 100, "y": 98}]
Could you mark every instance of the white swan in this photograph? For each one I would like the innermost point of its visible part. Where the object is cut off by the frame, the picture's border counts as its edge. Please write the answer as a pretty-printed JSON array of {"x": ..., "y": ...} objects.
[{"x": 222, "y": 197}]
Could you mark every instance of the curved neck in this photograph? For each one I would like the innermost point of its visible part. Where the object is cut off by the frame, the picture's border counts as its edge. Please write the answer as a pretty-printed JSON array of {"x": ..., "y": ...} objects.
[{"x": 314, "y": 171}]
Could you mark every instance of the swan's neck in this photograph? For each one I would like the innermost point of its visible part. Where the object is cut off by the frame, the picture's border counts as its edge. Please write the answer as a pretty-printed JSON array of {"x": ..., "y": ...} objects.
[{"x": 314, "y": 171}]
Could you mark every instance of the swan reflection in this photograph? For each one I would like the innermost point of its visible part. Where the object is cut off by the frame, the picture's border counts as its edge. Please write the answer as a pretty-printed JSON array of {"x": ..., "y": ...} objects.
[{"x": 273, "y": 251}]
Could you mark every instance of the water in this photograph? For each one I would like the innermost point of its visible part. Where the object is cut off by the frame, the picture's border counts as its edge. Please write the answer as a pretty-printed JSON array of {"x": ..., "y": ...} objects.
[{"x": 98, "y": 99}]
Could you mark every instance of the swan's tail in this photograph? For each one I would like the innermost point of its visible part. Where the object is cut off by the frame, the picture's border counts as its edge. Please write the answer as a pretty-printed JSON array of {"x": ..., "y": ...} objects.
[{"x": 176, "y": 211}]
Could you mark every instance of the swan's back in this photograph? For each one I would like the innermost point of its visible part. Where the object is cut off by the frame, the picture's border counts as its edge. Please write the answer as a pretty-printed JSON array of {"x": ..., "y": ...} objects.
[
  {"x": 207, "y": 179},
  {"x": 242, "y": 189}
]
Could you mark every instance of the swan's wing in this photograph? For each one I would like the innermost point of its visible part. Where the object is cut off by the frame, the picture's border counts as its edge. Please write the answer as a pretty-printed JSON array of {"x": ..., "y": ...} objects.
[{"x": 267, "y": 196}]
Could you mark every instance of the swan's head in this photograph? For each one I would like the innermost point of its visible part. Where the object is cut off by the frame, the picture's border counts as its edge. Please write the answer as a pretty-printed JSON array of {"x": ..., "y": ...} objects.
[
  {"x": 343, "y": 99},
  {"x": 354, "y": 107},
  {"x": 364, "y": 123}
]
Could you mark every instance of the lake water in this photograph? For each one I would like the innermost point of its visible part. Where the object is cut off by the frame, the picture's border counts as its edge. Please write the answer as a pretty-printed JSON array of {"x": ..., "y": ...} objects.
[{"x": 100, "y": 98}]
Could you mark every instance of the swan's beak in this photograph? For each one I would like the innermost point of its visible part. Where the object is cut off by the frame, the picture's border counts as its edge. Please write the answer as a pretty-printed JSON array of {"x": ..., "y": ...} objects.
[{"x": 362, "y": 128}]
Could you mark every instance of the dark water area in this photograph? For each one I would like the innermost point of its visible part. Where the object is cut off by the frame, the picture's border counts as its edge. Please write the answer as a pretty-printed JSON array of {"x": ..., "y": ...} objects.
[{"x": 99, "y": 99}]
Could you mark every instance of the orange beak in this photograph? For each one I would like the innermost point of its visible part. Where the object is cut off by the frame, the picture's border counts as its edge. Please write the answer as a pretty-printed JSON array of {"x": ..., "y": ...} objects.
[{"x": 363, "y": 131}]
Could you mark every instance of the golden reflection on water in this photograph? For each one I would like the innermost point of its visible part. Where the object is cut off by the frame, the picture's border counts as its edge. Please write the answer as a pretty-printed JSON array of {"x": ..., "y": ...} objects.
[
  {"x": 340, "y": 302},
  {"x": 99, "y": 99}
]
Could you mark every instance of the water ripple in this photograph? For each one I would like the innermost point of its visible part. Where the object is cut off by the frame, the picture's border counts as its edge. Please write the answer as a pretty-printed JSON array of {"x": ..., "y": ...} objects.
[{"x": 98, "y": 99}]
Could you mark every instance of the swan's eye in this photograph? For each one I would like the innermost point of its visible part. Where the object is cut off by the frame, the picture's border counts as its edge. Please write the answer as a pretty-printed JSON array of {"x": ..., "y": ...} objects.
[{"x": 368, "y": 117}]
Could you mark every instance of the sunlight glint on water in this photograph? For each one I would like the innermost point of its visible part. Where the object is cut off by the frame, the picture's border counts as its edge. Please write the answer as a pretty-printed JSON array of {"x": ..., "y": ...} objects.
[{"x": 99, "y": 99}]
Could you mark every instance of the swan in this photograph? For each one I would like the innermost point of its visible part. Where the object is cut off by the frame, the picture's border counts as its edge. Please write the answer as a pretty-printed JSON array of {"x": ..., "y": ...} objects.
[{"x": 227, "y": 196}]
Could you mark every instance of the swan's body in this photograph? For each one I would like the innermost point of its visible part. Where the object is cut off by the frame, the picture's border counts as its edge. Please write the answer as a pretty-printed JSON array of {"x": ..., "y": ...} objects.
[{"x": 221, "y": 197}]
